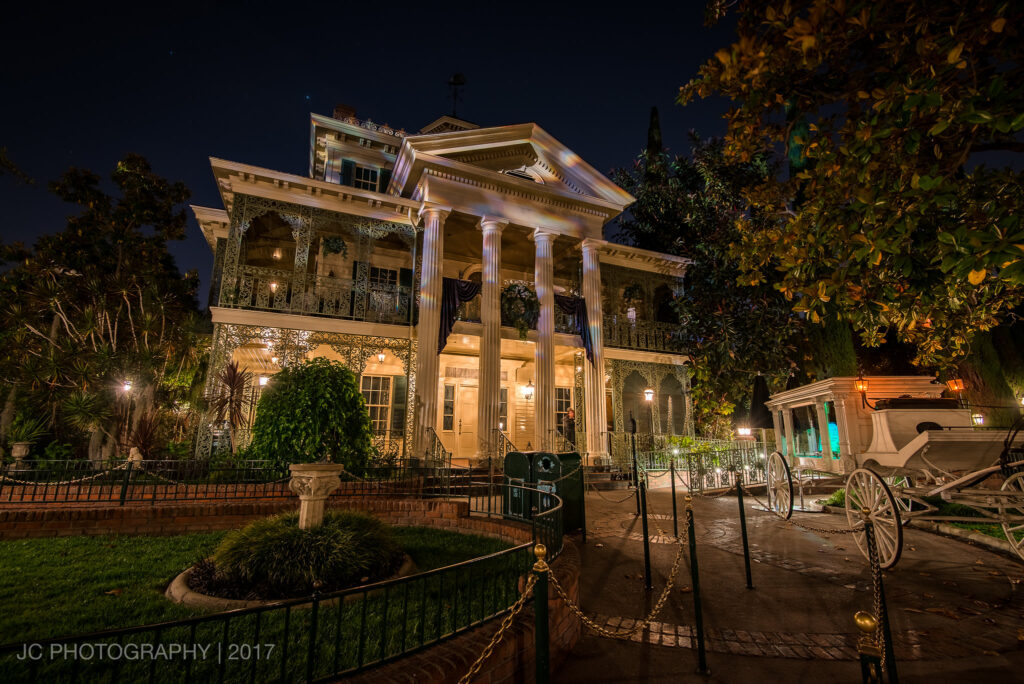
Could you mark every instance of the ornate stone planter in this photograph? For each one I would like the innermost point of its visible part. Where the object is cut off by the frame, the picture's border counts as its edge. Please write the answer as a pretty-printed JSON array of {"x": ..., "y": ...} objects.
[
  {"x": 313, "y": 482},
  {"x": 19, "y": 450}
]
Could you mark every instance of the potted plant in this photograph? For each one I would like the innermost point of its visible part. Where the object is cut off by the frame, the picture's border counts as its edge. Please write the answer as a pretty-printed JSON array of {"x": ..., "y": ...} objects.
[
  {"x": 312, "y": 418},
  {"x": 22, "y": 434}
]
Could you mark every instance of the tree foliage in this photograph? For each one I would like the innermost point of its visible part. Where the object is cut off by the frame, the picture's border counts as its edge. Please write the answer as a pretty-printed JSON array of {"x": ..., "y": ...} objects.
[
  {"x": 892, "y": 218},
  {"x": 313, "y": 411},
  {"x": 689, "y": 206},
  {"x": 100, "y": 303}
]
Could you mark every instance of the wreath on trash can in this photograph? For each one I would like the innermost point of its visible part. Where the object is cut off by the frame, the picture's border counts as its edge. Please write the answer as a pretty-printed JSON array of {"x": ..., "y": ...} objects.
[{"x": 520, "y": 308}]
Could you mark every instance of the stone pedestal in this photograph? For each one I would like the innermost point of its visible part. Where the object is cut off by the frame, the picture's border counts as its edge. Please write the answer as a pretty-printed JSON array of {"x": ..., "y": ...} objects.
[{"x": 313, "y": 482}]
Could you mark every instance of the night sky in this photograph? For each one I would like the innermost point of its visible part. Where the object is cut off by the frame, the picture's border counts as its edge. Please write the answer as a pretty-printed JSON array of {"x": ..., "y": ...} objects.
[{"x": 85, "y": 84}]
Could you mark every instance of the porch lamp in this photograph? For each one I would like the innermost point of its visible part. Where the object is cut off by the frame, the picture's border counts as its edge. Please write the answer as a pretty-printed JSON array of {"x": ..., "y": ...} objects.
[
  {"x": 528, "y": 390},
  {"x": 264, "y": 379},
  {"x": 273, "y": 287},
  {"x": 274, "y": 359},
  {"x": 381, "y": 357},
  {"x": 648, "y": 395},
  {"x": 978, "y": 419}
]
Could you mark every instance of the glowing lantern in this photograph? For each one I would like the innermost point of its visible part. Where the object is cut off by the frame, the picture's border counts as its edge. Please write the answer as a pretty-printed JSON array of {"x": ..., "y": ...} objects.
[{"x": 648, "y": 395}]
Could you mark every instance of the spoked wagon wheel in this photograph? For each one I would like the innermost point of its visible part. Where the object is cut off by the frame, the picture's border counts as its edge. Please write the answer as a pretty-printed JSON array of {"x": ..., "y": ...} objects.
[
  {"x": 897, "y": 482},
  {"x": 1013, "y": 513},
  {"x": 780, "y": 486},
  {"x": 865, "y": 489}
]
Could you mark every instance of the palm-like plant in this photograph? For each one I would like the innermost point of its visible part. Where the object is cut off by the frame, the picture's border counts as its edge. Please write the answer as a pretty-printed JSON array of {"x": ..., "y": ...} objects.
[
  {"x": 26, "y": 430},
  {"x": 145, "y": 436},
  {"x": 232, "y": 401}
]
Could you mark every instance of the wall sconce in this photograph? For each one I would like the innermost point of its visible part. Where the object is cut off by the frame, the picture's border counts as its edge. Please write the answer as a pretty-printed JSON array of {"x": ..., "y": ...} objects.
[
  {"x": 127, "y": 386},
  {"x": 264, "y": 379},
  {"x": 978, "y": 419},
  {"x": 743, "y": 431},
  {"x": 501, "y": 425},
  {"x": 528, "y": 390},
  {"x": 861, "y": 384},
  {"x": 648, "y": 395},
  {"x": 273, "y": 286},
  {"x": 381, "y": 357},
  {"x": 277, "y": 253},
  {"x": 274, "y": 359}
]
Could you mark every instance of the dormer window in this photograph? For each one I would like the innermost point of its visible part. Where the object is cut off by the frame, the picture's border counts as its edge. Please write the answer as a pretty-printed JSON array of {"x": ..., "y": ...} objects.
[{"x": 365, "y": 178}]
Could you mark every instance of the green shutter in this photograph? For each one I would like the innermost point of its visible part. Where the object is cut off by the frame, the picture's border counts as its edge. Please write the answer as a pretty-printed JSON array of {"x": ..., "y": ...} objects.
[
  {"x": 385, "y": 178},
  {"x": 348, "y": 171},
  {"x": 399, "y": 396}
]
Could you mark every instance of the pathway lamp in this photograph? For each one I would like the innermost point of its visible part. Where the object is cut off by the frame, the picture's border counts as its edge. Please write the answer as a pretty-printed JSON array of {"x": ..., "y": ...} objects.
[{"x": 743, "y": 431}]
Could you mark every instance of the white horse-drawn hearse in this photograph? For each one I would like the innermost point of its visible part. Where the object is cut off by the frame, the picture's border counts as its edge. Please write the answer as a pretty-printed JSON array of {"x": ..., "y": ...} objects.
[{"x": 897, "y": 443}]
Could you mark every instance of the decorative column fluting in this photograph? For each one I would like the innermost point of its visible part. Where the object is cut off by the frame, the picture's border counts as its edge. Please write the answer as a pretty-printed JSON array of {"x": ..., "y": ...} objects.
[
  {"x": 489, "y": 394},
  {"x": 544, "y": 350},
  {"x": 594, "y": 384},
  {"x": 427, "y": 360}
]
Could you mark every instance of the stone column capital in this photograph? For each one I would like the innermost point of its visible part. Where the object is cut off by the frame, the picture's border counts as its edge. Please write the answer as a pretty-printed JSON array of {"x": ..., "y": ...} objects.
[
  {"x": 434, "y": 211},
  {"x": 541, "y": 236},
  {"x": 494, "y": 223},
  {"x": 592, "y": 244}
]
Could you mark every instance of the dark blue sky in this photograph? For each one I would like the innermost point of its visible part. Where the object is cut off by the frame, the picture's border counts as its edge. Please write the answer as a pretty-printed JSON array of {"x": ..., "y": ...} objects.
[{"x": 84, "y": 84}]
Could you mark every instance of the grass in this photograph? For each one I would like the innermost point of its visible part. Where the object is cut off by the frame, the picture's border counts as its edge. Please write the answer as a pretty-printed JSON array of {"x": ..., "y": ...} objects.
[
  {"x": 838, "y": 499},
  {"x": 73, "y": 585}
]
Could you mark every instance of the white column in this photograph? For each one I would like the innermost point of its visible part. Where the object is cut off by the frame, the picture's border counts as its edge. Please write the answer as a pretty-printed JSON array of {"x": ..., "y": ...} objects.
[
  {"x": 594, "y": 385},
  {"x": 787, "y": 421},
  {"x": 826, "y": 439},
  {"x": 427, "y": 357},
  {"x": 490, "y": 341},
  {"x": 544, "y": 350}
]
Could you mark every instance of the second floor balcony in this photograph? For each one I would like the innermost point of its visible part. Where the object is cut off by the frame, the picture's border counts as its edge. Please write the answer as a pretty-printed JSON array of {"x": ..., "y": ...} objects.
[{"x": 380, "y": 300}]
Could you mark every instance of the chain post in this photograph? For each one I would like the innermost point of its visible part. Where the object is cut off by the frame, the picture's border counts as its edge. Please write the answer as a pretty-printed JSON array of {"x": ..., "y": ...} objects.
[
  {"x": 702, "y": 659},
  {"x": 675, "y": 511},
  {"x": 540, "y": 611},
  {"x": 867, "y": 648},
  {"x": 636, "y": 479},
  {"x": 125, "y": 482},
  {"x": 881, "y": 610},
  {"x": 642, "y": 485},
  {"x": 743, "y": 525}
]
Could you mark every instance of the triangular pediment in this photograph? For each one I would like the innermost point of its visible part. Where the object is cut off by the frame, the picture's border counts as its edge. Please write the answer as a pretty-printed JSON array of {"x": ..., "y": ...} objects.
[{"x": 523, "y": 153}]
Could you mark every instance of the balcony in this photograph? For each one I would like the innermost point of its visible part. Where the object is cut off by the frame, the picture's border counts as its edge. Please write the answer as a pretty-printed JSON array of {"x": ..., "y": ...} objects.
[
  {"x": 642, "y": 335},
  {"x": 266, "y": 289}
]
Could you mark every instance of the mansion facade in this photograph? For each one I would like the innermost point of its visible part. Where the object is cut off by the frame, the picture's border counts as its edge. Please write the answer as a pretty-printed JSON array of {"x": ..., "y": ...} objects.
[{"x": 461, "y": 273}]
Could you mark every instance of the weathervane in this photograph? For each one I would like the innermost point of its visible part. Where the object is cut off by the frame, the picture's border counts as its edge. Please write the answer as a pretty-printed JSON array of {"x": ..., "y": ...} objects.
[{"x": 454, "y": 83}]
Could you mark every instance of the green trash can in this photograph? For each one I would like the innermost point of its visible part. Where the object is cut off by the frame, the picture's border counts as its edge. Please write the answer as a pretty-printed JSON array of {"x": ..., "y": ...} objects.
[
  {"x": 571, "y": 490},
  {"x": 546, "y": 470},
  {"x": 516, "y": 502}
]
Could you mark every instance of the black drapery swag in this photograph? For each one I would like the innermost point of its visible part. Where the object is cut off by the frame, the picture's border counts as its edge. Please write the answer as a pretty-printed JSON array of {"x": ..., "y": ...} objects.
[
  {"x": 454, "y": 293},
  {"x": 577, "y": 308}
]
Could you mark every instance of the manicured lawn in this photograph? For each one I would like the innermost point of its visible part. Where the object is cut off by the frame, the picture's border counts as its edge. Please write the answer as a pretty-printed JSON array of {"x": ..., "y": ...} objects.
[{"x": 72, "y": 585}]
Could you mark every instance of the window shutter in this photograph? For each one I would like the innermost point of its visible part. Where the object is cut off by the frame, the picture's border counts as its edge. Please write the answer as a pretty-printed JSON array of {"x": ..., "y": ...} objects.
[
  {"x": 399, "y": 392},
  {"x": 348, "y": 171},
  {"x": 385, "y": 178}
]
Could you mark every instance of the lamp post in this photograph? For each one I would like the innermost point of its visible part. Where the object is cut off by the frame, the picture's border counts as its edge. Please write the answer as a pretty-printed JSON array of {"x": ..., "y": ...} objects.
[{"x": 649, "y": 398}]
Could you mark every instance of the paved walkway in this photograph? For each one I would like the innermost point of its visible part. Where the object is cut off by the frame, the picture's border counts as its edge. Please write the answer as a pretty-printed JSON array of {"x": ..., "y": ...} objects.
[{"x": 957, "y": 611}]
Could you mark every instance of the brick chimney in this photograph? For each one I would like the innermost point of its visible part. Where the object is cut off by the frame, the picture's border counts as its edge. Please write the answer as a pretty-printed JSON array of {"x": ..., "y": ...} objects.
[{"x": 343, "y": 111}]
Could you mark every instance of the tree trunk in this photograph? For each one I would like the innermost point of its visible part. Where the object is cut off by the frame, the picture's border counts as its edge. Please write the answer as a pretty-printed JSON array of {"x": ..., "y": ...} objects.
[
  {"x": 7, "y": 416},
  {"x": 96, "y": 447},
  {"x": 987, "y": 388}
]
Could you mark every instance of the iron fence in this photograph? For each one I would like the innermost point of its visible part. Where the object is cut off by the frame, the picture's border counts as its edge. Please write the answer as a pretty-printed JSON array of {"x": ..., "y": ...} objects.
[{"x": 311, "y": 639}]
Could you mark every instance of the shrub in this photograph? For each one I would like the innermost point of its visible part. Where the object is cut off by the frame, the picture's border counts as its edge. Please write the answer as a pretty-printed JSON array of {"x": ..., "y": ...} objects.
[
  {"x": 313, "y": 411},
  {"x": 273, "y": 558}
]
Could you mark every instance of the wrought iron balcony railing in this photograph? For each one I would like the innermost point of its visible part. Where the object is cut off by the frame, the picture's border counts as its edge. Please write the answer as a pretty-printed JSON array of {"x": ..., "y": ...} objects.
[
  {"x": 312, "y": 295},
  {"x": 645, "y": 335}
]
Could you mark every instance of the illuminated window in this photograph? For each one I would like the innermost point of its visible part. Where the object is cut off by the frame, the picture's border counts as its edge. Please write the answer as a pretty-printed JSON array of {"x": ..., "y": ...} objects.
[
  {"x": 503, "y": 409},
  {"x": 377, "y": 394},
  {"x": 448, "y": 422},
  {"x": 365, "y": 178},
  {"x": 332, "y": 171}
]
